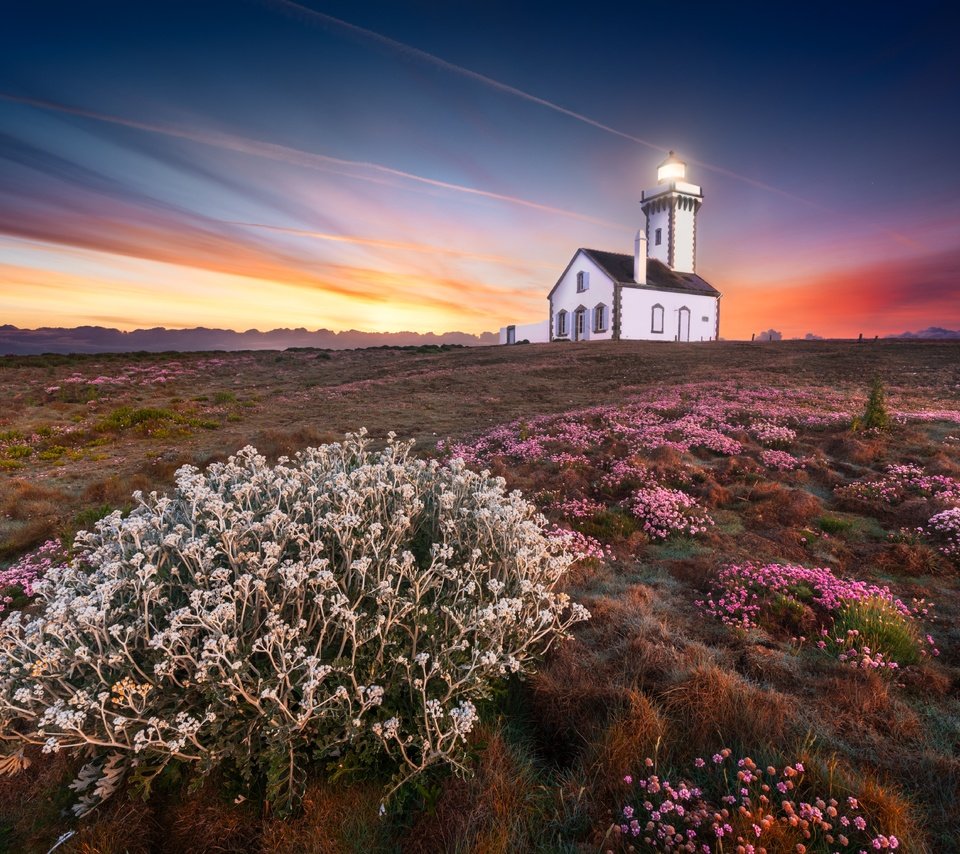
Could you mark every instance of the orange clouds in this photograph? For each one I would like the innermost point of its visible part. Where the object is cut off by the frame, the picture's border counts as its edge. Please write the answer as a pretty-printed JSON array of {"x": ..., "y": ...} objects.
[{"x": 876, "y": 299}]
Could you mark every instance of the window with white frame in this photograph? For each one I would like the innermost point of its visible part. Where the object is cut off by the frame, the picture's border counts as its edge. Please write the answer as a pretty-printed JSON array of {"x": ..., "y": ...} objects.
[
  {"x": 561, "y": 323},
  {"x": 583, "y": 282},
  {"x": 600, "y": 318},
  {"x": 658, "y": 237},
  {"x": 656, "y": 318}
]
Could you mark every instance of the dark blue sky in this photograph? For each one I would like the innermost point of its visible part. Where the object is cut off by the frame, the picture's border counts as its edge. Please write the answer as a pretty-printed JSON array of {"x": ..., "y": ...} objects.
[{"x": 179, "y": 150}]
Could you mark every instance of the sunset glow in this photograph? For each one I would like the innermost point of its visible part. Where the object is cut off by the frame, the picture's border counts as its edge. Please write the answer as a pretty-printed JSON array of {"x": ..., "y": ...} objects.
[{"x": 291, "y": 166}]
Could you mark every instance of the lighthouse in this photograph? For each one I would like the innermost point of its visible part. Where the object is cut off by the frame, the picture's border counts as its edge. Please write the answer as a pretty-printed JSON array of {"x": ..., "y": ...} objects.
[
  {"x": 671, "y": 211},
  {"x": 651, "y": 294}
]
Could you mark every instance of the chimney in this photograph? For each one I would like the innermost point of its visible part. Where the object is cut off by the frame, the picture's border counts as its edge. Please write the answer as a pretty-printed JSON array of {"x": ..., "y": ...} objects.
[{"x": 640, "y": 258}]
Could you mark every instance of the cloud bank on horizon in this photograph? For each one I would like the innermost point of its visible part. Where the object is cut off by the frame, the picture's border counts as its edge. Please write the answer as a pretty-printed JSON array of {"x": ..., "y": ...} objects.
[{"x": 274, "y": 164}]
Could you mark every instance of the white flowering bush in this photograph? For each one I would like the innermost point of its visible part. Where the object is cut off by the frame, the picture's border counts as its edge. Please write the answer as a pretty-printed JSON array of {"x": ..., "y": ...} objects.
[{"x": 346, "y": 604}]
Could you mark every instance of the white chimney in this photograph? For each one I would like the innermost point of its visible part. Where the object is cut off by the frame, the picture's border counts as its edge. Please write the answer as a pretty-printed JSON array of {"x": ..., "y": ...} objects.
[{"x": 640, "y": 258}]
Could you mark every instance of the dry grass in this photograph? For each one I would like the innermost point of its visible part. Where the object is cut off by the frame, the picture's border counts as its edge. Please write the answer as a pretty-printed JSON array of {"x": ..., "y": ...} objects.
[
  {"x": 127, "y": 827},
  {"x": 493, "y": 812},
  {"x": 711, "y": 708},
  {"x": 772, "y": 505},
  {"x": 639, "y": 730},
  {"x": 335, "y": 820}
]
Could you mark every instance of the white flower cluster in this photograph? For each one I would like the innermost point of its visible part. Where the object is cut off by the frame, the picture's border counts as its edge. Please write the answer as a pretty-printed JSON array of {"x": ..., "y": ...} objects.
[{"x": 343, "y": 601}]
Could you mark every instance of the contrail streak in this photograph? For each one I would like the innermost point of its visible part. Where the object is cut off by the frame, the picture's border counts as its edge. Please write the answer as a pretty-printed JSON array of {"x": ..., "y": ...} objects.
[
  {"x": 298, "y": 157},
  {"x": 416, "y": 53},
  {"x": 389, "y": 244}
]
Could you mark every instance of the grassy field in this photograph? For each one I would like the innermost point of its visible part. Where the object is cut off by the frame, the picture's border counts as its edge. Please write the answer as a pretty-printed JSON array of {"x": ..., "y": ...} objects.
[{"x": 658, "y": 672}]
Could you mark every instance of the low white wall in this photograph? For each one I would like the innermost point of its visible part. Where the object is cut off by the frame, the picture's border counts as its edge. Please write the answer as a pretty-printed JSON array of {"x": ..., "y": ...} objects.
[{"x": 535, "y": 333}]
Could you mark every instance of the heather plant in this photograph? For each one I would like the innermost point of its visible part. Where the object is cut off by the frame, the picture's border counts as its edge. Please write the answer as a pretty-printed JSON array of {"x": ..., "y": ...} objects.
[
  {"x": 855, "y": 619},
  {"x": 346, "y": 606},
  {"x": 772, "y": 435},
  {"x": 723, "y": 804},
  {"x": 665, "y": 512},
  {"x": 901, "y": 482},
  {"x": 944, "y": 530},
  {"x": 780, "y": 460},
  {"x": 18, "y": 580}
]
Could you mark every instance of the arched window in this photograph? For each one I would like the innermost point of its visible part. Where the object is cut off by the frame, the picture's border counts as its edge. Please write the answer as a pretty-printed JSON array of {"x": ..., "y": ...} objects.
[
  {"x": 583, "y": 281},
  {"x": 561, "y": 323},
  {"x": 656, "y": 319},
  {"x": 600, "y": 318}
]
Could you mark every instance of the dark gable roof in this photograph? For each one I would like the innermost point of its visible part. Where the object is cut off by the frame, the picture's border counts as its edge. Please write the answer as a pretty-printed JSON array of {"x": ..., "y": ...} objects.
[{"x": 659, "y": 276}]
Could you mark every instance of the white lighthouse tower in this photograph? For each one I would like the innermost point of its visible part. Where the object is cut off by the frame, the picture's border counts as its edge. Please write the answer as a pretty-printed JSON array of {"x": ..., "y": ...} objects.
[{"x": 671, "y": 211}]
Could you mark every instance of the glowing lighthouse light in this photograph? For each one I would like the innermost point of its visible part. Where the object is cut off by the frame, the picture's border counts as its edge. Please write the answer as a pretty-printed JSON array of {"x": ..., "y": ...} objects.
[{"x": 672, "y": 169}]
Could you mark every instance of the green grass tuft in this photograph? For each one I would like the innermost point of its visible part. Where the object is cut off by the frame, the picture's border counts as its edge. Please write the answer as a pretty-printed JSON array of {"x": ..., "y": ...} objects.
[
  {"x": 834, "y": 524},
  {"x": 882, "y": 628}
]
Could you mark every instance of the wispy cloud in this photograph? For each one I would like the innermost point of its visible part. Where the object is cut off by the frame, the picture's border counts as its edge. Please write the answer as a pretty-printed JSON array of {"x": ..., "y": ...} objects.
[
  {"x": 411, "y": 52},
  {"x": 356, "y": 169},
  {"x": 422, "y": 248}
]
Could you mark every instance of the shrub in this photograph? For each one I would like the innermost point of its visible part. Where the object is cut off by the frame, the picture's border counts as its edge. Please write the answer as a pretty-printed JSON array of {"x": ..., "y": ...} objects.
[
  {"x": 875, "y": 415},
  {"x": 54, "y": 452},
  {"x": 346, "y": 606}
]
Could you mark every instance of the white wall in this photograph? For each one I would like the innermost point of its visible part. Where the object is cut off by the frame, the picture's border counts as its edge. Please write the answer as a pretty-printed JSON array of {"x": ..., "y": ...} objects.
[
  {"x": 535, "y": 333},
  {"x": 661, "y": 220},
  {"x": 566, "y": 297},
  {"x": 636, "y": 308},
  {"x": 684, "y": 225}
]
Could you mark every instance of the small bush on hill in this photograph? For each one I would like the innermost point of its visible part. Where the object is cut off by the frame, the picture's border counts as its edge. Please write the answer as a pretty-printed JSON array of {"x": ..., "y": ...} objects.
[
  {"x": 875, "y": 415},
  {"x": 344, "y": 606}
]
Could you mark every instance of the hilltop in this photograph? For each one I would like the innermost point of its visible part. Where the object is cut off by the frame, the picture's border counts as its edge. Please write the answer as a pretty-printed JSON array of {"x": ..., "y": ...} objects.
[{"x": 692, "y": 476}]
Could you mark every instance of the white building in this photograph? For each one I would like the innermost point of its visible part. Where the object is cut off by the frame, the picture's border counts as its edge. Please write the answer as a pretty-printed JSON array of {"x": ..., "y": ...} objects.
[{"x": 654, "y": 294}]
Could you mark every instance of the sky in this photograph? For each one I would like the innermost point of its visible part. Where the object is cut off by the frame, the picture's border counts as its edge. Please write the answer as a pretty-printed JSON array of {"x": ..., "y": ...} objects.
[{"x": 433, "y": 166}]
